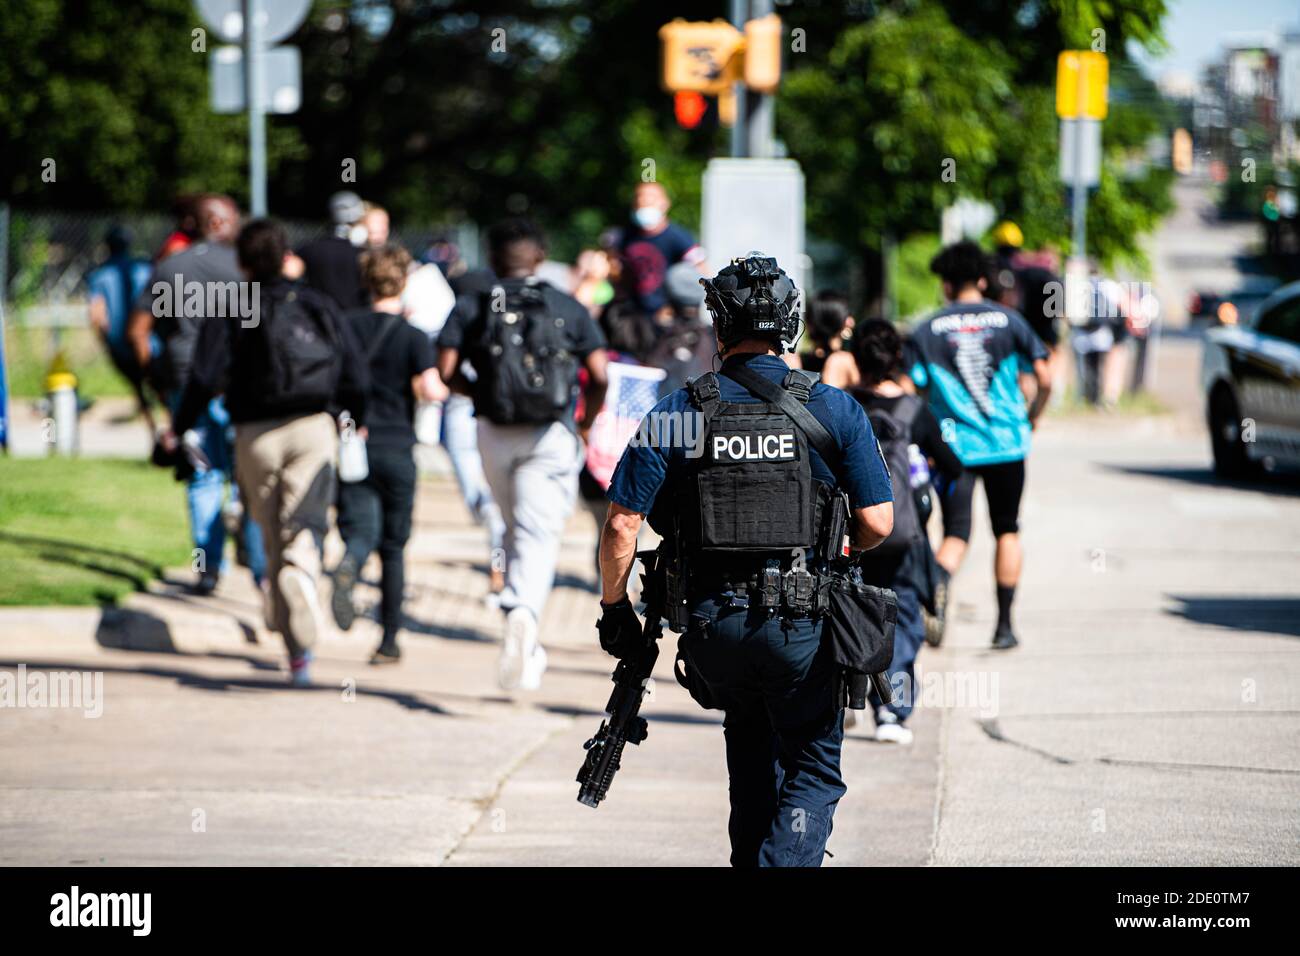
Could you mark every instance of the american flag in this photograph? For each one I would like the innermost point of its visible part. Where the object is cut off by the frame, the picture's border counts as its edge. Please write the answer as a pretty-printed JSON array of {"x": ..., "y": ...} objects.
[{"x": 633, "y": 391}]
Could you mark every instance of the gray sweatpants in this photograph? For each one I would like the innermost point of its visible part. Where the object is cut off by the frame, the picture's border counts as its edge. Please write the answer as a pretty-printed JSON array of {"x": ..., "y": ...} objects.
[{"x": 533, "y": 473}]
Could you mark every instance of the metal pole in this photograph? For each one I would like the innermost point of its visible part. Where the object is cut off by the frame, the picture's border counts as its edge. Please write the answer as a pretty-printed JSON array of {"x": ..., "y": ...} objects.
[
  {"x": 253, "y": 99},
  {"x": 762, "y": 112},
  {"x": 4, "y": 291},
  {"x": 1079, "y": 238},
  {"x": 739, "y": 130}
]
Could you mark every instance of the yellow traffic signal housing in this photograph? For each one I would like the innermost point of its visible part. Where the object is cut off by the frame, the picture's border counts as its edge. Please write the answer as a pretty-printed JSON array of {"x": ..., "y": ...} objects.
[
  {"x": 763, "y": 54},
  {"x": 700, "y": 57},
  {"x": 1081, "y": 97}
]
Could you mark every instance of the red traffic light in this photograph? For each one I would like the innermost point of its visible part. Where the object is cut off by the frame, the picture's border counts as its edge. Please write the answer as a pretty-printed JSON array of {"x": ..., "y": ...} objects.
[{"x": 689, "y": 108}]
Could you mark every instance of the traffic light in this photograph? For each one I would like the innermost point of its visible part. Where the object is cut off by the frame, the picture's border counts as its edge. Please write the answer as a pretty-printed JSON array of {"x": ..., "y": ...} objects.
[
  {"x": 689, "y": 107},
  {"x": 763, "y": 54},
  {"x": 700, "y": 57}
]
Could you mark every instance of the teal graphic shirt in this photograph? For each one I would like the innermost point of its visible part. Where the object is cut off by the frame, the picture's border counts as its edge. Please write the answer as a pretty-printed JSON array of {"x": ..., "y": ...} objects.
[{"x": 969, "y": 357}]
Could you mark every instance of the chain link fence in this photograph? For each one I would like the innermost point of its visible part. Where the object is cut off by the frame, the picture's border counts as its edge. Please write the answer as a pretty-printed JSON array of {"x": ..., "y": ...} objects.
[{"x": 45, "y": 257}]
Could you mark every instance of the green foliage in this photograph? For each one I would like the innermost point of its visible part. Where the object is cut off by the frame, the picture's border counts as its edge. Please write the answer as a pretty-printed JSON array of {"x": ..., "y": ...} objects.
[
  {"x": 875, "y": 125},
  {"x": 114, "y": 94},
  {"x": 442, "y": 121}
]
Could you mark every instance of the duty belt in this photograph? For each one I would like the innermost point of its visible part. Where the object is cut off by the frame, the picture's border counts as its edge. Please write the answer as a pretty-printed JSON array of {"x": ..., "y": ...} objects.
[{"x": 796, "y": 589}]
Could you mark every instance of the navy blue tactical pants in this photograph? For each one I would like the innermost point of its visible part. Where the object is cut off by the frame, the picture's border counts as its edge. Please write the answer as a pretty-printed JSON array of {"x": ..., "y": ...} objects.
[{"x": 772, "y": 677}]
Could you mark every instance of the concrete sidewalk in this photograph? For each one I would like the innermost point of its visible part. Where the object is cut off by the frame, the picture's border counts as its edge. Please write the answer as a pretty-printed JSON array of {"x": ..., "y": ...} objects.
[{"x": 1152, "y": 714}]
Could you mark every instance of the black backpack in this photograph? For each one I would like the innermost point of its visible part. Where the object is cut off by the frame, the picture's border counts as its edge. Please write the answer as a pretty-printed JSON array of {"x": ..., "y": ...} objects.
[
  {"x": 304, "y": 356},
  {"x": 894, "y": 433},
  {"x": 526, "y": 373}
]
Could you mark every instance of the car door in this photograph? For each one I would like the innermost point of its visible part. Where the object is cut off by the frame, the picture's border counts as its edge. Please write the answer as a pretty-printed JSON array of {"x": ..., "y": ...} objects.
[{"x": 1268, "y": 371}]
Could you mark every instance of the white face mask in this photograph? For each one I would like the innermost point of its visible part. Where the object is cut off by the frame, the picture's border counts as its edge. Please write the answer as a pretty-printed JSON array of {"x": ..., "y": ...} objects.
[{"x": 647, "y": 217}]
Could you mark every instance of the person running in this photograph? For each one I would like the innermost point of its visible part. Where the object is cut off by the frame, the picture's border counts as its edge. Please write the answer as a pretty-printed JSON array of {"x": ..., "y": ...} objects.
[
  {"x": 284, "y": 373},
  {"x": 968, "y": 357},
  {"x": 526, "y": 341},
  {"x": 374, "y": 514},
  {"x": 163, "y": 329},
  {"x": 901, "y": 422}
]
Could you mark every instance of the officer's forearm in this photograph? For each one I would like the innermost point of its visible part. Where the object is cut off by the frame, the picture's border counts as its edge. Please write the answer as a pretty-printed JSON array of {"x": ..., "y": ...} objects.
[
  {"x": 617, "y": 551},
  {"x": 872, "y": 525}
]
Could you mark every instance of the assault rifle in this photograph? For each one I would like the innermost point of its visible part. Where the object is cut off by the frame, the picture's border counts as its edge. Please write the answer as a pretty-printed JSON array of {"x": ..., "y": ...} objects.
[{"x": 623, "y": 723}]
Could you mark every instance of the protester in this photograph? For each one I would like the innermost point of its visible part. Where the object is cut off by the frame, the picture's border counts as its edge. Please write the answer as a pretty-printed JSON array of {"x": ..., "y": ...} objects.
[
  {"x": 460, "y": 441},
  {"x": 830, "y": 328},
  {"x": 165, "y": 312},
  {"x": 901, "y": 423},
  {"x": 651, "y": 245},
  {"x": 591, "y": 285},
  {"x": 634, "y": 386},
  {"x": 375, "y": 513},
  {"x": 185, "y": 212},
  {"x": 525, "y": 339},
  {"x": 330, "y": 264},
  {"x": 1093, "y": 341},
  {"x": 112, "y": 287},
  {"x": 285, "y": 372},
  {"x": 968, "y": 357},
  {"x": 377, "y": 224}
]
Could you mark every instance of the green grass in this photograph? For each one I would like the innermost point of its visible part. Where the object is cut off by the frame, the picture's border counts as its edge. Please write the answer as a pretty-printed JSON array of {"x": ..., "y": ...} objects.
[
  {"x": 86, "y": 531},
  {"x": 27, "y": 356},
  {"x": 1143, "y": 403}
]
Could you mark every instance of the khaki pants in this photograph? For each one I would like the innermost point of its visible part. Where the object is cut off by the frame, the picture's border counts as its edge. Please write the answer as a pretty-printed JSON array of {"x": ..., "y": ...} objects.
[{"x": 285, "y": 469}]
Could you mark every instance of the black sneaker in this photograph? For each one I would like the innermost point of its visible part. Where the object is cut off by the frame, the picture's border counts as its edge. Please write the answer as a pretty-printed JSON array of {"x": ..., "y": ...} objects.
[
  {"x": 1004, "y": 640},
  {"x": 387, "y": 653},
  {"x": 345, "y": 577},
  {"x": 936, "y": 622},
  {"x": 205, "y": 585}
]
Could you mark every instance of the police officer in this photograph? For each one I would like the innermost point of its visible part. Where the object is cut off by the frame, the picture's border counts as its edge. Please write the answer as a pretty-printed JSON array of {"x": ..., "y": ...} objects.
[{"x": 740, "y": 472}]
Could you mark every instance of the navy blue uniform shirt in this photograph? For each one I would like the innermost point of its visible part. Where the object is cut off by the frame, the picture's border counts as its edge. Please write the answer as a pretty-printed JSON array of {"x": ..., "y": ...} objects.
[{"x": 645, "y": 465}]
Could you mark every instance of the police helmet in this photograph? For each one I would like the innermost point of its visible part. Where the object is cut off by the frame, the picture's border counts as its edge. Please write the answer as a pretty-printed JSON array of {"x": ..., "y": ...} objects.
[{"x": 754, "y": 298}]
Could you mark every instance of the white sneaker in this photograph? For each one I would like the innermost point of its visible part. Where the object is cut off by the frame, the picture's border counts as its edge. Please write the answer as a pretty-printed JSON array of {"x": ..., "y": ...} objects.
[
  {"x": 300, "y": 598},
  {"x": 889, "y": 730},
  {"x": 518, "y": 649},
  {"x": 534, "y": 668}
]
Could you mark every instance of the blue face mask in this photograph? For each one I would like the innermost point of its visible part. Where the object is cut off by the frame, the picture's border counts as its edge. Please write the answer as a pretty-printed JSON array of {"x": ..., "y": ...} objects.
[{"x": 647, "y": 217}]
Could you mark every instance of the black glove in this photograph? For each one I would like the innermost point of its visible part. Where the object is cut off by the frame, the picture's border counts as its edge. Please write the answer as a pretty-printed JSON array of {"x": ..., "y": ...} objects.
[{"x": 619, "y": 629}]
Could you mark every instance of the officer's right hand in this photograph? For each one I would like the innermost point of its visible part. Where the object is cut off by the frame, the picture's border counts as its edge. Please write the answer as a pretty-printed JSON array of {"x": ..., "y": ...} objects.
[{"x": 619, "y": 629}]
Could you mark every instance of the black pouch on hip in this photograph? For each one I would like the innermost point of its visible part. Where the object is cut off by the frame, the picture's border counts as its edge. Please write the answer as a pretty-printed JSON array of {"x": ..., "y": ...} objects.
[{"x": 860, "y": 624}]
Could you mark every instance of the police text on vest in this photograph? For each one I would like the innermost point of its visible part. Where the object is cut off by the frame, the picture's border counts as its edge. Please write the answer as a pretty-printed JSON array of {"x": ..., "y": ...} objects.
[{"x": 754, "y": 447}]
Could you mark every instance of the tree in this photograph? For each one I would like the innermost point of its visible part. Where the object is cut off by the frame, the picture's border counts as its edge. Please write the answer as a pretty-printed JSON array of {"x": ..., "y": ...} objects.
[
  {"x": 115, "y": 95},
  {"x": 921, "y": 87}
]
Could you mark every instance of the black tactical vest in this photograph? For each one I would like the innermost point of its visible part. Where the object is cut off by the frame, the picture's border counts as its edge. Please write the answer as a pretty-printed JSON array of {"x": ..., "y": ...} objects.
[{"x": 749, "y": 490}]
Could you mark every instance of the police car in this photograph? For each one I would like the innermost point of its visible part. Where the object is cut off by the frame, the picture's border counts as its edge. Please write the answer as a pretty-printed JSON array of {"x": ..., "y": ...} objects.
[{"x": 1251, "y": 376}]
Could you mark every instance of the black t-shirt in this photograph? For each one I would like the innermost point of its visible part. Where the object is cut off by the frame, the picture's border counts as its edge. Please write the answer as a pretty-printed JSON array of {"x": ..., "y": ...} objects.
[
  {"x": 333, "y": 268},
  {"x": 404, "y": 353},
  {"x": 582, "y": 334}
]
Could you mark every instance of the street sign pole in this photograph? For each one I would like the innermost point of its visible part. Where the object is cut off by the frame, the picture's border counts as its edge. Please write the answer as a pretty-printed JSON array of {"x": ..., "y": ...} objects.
[
  {"x": 760, "y": 123},
  {"x": 1080, "y": 231},
  {"x": 253, "y": 45},
  {"x": 740, "y": 128}
]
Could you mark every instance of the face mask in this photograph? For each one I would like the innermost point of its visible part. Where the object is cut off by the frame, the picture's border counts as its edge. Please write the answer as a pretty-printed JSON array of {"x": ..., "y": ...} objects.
[{"x": 647, "y": 217}]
